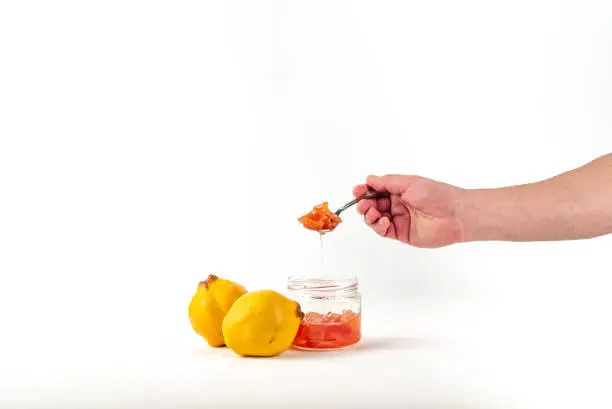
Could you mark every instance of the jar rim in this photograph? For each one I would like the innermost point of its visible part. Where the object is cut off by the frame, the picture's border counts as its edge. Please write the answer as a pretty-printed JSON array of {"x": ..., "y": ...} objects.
[{"x": 321, "y": 284}]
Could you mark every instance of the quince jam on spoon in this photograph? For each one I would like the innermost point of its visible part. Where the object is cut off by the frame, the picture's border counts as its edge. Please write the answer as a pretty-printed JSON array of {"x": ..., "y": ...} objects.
[
  {"x": 320, "y": 219},
  {"x": 323, "y": 220}
]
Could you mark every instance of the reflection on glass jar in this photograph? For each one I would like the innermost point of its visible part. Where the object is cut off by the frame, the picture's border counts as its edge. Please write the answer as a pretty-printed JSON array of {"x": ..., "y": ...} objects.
[{"x": 332, "y": 309}]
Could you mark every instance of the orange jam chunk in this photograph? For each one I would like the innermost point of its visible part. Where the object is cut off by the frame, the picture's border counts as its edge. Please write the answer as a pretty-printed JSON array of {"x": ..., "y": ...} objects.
[
  {"x": 329, "y": 331},
  {"x": 320, "y": 218}
]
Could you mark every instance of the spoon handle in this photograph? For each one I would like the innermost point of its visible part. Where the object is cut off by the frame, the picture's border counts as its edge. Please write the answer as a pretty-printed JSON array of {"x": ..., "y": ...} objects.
[{"x": 370, "y": 194}]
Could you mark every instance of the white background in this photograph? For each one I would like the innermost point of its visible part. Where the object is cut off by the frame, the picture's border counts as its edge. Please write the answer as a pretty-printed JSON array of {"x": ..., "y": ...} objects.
[{"x": 144, "y": 145}]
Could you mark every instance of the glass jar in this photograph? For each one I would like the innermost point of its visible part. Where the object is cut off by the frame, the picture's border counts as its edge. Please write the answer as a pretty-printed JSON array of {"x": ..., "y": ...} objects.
[{"x": 332, "y": 312}]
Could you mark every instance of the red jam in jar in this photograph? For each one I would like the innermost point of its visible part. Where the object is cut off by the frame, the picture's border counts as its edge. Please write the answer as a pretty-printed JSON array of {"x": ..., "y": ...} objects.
[
  {"x": 329, "y": 331},
  {"x": 332, "y": 309}
]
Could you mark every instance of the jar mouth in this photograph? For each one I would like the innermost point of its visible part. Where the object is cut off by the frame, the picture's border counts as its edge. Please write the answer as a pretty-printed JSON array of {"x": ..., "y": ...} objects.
[{"x": 323, "y": 287}]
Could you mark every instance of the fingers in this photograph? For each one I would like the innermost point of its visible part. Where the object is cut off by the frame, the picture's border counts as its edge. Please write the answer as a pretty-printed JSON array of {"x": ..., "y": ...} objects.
[
  {"x": 381, "y": 226},
  {"x": 365, "y": 205},
  {"x": 383, "y": 205},
  {"x": 402, "y": 227},
  {"x": 359, "y": 190},
  {"x": 377, "y": 221},
  {"x": 397, "y": 205},
  {"x": 394, "y": 184},
  {"x": 388, "y": 217},
  {"x": 372, "y": 216}
]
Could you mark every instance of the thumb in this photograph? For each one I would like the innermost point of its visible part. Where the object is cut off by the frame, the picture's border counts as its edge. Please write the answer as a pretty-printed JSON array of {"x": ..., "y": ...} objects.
[{"x": 394, "y": 184}]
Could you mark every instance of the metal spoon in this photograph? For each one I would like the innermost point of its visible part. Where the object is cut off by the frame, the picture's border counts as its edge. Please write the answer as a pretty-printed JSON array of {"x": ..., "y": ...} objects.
[{"x": 370, "y": 194}]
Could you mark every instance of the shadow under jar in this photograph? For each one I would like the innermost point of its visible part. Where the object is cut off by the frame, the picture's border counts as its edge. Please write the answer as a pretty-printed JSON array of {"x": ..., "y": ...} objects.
[{"x": 332, "y": 313}]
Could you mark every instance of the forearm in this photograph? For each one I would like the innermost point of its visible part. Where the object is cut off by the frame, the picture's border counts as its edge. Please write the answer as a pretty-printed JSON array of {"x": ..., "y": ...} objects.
[{"x": 573, "y": 205}]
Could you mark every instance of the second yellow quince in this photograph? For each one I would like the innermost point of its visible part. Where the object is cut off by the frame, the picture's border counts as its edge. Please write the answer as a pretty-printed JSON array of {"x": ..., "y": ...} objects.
[{"x": 262, "y": 323}]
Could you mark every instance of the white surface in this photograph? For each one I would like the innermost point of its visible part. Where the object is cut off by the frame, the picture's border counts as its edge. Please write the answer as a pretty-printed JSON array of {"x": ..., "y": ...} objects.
[
  {"x": 419, "y": 354},
  {"x": 146, "y": 144}
]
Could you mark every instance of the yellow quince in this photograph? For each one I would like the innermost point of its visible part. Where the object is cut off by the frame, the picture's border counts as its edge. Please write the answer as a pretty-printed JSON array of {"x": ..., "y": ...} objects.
[
  {"x": 261, "y": 323},
  {"x": 210, "y": 304}
]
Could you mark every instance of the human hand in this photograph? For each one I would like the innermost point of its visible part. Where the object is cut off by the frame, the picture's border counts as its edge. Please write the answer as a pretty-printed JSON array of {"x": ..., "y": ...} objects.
[{"x": 420, "y": 212}]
